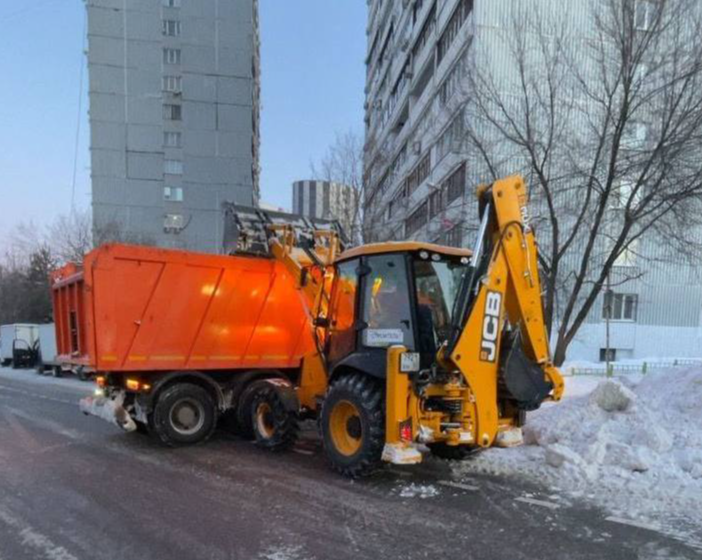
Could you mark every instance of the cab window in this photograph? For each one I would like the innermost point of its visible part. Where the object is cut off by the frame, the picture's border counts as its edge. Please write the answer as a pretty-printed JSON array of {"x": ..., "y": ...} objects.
[
  {"x": 386, "y": 304},
  {"x": 343, "y": 335},
  {"x": 437, "y": 285}
]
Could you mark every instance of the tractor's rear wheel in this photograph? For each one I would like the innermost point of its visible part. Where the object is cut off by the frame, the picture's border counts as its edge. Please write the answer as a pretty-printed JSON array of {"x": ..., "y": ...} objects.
[
  {"x": 452, "y": 452},
  {"x": 274, "y": 427},
  {"x": 353, "y": 425}
]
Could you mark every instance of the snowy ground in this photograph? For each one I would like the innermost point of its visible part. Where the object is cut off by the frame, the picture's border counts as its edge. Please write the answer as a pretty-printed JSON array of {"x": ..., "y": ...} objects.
[
  {"x": 32, "y": 377},
  {"x": 632, "y": 445}
]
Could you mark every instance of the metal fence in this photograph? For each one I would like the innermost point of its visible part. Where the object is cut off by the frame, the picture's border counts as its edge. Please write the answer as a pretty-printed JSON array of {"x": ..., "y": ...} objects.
[{"x": 628, "y": 369}]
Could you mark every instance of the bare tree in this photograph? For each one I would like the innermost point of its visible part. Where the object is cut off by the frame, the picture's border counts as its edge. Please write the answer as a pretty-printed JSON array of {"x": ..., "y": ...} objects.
[
  {"x": 606, "y": 123},
  {"x": 71, "y": 236},
  {"x": 343, "y": 164}
]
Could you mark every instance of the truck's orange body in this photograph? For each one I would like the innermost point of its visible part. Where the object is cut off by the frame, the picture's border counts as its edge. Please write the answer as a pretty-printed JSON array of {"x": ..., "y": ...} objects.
[{"x": 139, "y": 309}]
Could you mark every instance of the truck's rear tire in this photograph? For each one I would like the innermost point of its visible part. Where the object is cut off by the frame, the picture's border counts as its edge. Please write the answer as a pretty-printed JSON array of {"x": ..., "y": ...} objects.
[
  {"x": 273, "y": 426},
  {"x": 185, "y": 414},
  {"x": 353, "y": 425},
  {"x": 452, "y": 452}
]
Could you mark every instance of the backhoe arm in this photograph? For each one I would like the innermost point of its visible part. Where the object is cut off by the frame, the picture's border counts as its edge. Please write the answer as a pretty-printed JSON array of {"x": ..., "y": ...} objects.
[{"x": 500, "y": 343}]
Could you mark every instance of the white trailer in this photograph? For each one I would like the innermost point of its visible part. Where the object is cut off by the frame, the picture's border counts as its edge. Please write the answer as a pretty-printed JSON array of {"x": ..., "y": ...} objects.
[
  {"x": 47, "y": 360},
  {"x": 19, "y": 336}
]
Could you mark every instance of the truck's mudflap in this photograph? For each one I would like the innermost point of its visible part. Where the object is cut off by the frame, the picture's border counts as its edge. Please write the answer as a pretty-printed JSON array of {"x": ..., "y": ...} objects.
[{"x": 110, "y": 409}]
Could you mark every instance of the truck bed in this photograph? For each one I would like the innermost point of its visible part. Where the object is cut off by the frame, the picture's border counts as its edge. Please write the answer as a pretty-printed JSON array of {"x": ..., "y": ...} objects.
[{"x": 162, "y": 310}]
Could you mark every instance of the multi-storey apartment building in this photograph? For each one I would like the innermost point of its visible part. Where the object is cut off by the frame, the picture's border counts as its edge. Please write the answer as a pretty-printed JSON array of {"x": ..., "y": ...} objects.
[
  {"x": 326, "y": 200},
  {"x": 174, "y": 115},
  {"x": 420, "y": 174}
]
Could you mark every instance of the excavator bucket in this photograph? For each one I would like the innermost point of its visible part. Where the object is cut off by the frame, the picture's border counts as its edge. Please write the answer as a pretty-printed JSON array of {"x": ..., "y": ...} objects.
[{"x": 248, "y": 230}]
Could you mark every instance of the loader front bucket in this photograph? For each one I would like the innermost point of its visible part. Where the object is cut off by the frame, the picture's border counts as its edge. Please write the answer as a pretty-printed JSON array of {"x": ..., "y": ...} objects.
[{"x": 247, "y": 230}]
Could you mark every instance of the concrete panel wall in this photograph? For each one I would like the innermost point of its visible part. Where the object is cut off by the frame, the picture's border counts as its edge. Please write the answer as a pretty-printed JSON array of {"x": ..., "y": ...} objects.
[{"x": 218, "y": 45}]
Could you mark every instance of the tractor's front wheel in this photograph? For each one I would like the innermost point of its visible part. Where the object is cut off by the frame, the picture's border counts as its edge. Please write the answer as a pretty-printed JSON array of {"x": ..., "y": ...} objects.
[{"x": 353, "y": 425}]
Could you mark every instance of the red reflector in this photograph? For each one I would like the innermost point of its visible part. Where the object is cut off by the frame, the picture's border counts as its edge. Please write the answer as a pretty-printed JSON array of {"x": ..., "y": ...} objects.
[{"x": 406, "y": 431}]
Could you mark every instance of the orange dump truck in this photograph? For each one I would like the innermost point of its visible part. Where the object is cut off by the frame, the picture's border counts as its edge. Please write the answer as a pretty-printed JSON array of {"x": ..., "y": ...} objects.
[{"x": 176, "y": 339}]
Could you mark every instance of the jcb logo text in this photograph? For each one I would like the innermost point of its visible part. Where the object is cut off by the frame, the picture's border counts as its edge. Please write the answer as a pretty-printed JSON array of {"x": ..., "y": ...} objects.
[{"x": 491, "y": 327}]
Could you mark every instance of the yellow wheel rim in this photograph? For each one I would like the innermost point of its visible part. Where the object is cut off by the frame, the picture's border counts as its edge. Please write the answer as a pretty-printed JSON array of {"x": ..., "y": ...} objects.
[
  {"x": 345, "y": 428},
  {"x": 264, "y": 420}
]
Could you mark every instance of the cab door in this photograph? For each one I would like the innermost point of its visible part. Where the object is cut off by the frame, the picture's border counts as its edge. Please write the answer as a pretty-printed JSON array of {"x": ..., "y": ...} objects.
[{"x": 342, "y": 331}]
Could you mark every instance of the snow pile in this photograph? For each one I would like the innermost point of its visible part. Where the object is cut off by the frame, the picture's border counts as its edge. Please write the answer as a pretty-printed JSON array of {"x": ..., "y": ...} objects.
[
  {"x": 111, "y": 410},
  {"x": 634, "y": 446},
  {"x": 419, "y": 491}
]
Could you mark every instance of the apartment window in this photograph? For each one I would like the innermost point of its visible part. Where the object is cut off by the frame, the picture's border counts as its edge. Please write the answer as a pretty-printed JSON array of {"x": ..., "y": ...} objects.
[
  {"x": 628, "y": 256},
  {"x": 396, "y": 203},
  {"x": 619, "y": 307},
  {"x": 173, "y": 112},
  {"x": 419, "y": 173},
  {"x": 460, "y": 15},
  {"x": 454, "y": 238},
  {"x": 173, "y": 167},
  {"x": 646, "y": 12},
  {"x": 173, "y": 222},
  {"x": 171, "y": 27},
  {"x": 171, "y": 56},
  {"x": 416, "y": 10},
  {"x": 453, "y": 82},
  {"x": 436, "y": 203},
  {"x": 172, "y": 84},
  {"x": 171, "y": 3},
  {"x": 634, "y": 135},
  {"x": 417, "y": 219},
  {"x": 451, "y": 139},
  {"x": 608, "y": 354},
  {"x": 425, "y": 34},
  {"x": 172, "y": 139},
  {"x": 173, "y": 194},
  {"x": 455, "y": 184}
]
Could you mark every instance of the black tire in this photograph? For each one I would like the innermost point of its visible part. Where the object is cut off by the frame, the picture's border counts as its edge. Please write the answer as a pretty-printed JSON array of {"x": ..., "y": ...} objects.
[
  {"x": 82, "y": 374},
  {"x": 452, "y": 452},
  {"x": 185, "y": 414},
  {"x": 240, "y": 422},
  {"x": 274, "y": 427},
  {"x": 56, "y": 372},
  {"x": 352, "y": 424}
]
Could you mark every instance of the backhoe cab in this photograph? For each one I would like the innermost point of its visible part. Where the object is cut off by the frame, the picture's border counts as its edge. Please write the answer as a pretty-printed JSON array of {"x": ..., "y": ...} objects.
[{"x": 435, "y": 345}]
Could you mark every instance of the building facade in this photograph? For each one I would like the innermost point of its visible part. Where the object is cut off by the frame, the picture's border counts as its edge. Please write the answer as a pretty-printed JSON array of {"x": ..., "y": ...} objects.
[
  {"x": 420, "y": 176},
  {"x": 174, "y": 117},
  {"x": 326, "y": 200}
]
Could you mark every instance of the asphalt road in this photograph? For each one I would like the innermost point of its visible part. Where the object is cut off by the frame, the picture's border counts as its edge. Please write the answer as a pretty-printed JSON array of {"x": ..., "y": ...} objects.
[{"x": 75, "y": 488}]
